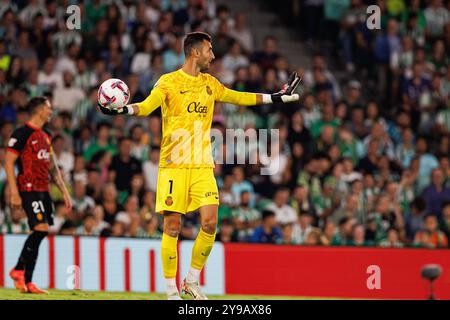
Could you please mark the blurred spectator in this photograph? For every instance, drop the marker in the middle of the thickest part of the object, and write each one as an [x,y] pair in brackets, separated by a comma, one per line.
[93,188]
[130,216]
[139,148]
[437,16]
[436,193]
[142,59]
[392,240]
[174,57]
[302,228]
[150,229]
[226,233]
[61,215]
[386,215]
[101,143]
[315,238]
[234,59]
[350,209]
[329,232]
[414,219]
[427,162]
[109,203]
[286,231]
[327,119]
[241,33]
[66,97]
[245,219]
[445,222]
[87,229]
[344,235]
[68,228]
[64,159]
[267,57]
[268,232]
[239,185]
[22,48]
[319,65]
[150,168]
[84,78]
[301,201]
[358,236]
[430,236]
[310,111]
[80,201]
[100,224]
[137,187]
[16,224]
[124,165]
[284,213]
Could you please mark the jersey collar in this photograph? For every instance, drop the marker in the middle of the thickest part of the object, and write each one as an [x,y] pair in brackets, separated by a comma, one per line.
[189,76]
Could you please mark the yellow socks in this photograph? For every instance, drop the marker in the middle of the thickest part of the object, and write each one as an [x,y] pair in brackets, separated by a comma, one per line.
[169,255]
[200,252]
[202,247]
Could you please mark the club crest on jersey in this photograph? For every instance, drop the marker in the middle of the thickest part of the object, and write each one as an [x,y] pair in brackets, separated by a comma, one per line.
[168,201]
[43,154]
[208,90]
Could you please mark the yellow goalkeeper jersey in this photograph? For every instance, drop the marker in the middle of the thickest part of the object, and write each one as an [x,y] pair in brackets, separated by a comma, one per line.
[187,107]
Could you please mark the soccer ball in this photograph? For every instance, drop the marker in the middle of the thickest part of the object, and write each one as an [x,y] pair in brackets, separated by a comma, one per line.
[113,94]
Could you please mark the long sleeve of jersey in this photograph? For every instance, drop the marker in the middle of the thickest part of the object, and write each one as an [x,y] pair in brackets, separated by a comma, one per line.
[151,103]
[223,94]
[238,98]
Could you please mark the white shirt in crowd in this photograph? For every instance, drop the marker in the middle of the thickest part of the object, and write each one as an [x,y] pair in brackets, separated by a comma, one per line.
[141,62]
[299,234]
[151,175]
[65,99]
[436,20]
[231,62]
[53,80]
[283,215]
[66,161]
[245,38]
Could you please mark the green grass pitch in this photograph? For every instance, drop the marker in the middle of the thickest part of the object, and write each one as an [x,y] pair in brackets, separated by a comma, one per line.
[12,294]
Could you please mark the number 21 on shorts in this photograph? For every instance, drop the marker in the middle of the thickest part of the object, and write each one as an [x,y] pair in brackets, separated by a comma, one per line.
[38,206]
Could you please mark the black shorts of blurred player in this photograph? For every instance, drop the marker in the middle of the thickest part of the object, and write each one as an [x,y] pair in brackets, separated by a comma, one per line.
[39,209]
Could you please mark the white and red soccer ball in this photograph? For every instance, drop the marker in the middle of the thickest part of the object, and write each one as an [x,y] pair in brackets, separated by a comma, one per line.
[113,94]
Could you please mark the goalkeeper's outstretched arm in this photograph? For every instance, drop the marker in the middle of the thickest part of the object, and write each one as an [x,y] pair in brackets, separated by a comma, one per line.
[250,99]
[144,108]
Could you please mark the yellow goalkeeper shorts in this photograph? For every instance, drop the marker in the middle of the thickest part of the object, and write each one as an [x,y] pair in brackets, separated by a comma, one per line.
[185,190]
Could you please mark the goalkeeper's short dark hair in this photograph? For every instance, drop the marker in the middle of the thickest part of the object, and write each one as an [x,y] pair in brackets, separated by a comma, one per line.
[192,39]
[35,103]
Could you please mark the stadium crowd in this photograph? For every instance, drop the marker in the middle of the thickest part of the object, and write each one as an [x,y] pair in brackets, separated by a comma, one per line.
[363,162]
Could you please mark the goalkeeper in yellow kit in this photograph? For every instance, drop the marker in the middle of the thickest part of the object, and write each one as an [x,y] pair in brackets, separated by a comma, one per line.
[185,179]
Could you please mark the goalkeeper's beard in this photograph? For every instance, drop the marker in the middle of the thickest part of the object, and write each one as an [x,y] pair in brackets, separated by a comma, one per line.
[204,66]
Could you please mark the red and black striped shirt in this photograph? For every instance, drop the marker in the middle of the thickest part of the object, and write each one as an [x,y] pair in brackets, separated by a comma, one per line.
[33,146]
